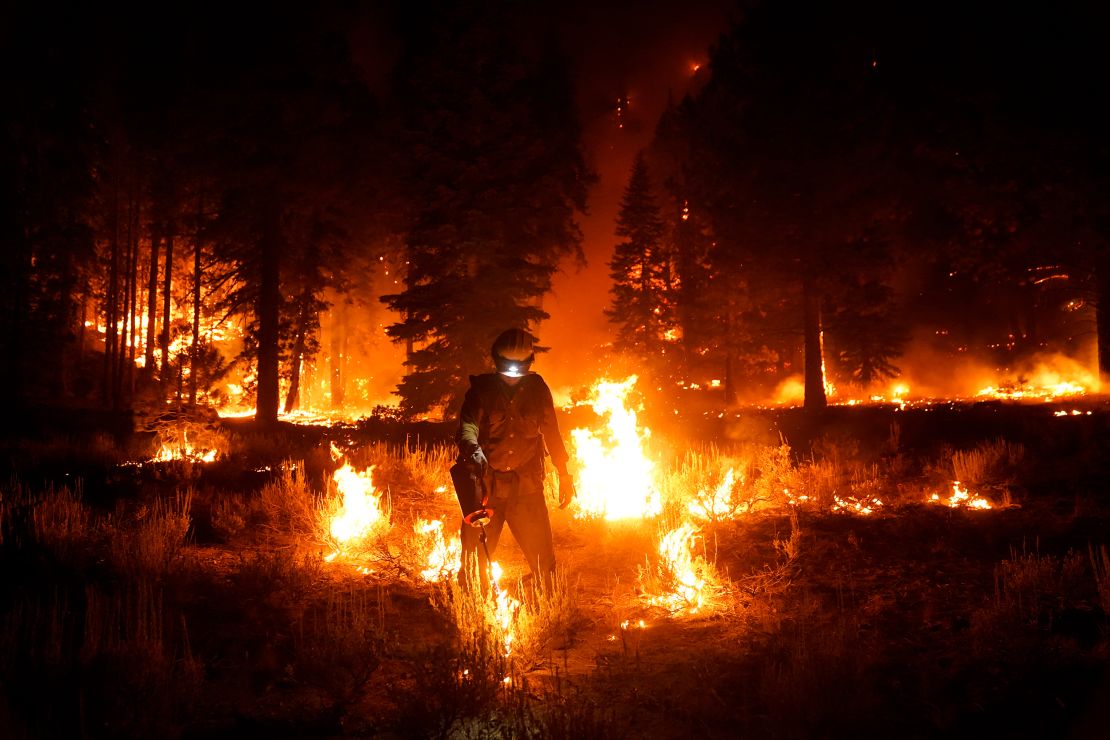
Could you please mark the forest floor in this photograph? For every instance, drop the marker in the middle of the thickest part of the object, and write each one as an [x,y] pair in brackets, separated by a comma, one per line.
[194,600]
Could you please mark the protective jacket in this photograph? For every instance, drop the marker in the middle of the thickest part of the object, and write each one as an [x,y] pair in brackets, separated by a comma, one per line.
[514,425]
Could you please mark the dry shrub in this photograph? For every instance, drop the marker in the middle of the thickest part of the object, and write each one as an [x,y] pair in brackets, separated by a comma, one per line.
[679,579]
[339,646]
[287,504]
[60,521]
[536,623]
[772,474]
[187,434]
[429,467]
[276,578]
[818,481]
[228,515]
[989,465]
[147,541]
[1100,565]
[708,485]
[105,663]
[1030,589]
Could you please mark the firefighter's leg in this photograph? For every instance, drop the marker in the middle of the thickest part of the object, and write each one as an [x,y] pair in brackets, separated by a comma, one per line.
[531,528]
[473,554]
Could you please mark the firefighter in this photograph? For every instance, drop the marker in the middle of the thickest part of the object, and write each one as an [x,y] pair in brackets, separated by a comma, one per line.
[507,425]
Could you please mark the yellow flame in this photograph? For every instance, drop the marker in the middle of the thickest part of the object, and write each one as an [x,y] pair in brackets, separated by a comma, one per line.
[684,578]
[718,504]
[853,505]
[183,451]
[505,609]
[615,477]
[360,507]
[960,498]
[444,556]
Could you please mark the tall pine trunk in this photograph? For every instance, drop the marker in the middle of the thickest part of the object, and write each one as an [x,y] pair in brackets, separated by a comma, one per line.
[292,398]
[269,317]
[151,307]
[110,311]
[815,400]
[194,349]
[167,318]
[1102,311]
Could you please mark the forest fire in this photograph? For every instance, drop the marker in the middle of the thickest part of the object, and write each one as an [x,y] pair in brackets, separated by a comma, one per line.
[615,477]
[961,499]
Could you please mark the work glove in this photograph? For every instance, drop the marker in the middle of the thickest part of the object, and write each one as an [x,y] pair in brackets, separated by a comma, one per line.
[566,490]
[477,460]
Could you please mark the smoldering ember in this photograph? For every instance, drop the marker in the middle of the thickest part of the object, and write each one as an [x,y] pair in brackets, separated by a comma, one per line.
[775,331]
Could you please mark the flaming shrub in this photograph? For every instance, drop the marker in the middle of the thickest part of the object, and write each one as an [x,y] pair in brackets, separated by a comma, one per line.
[681,581]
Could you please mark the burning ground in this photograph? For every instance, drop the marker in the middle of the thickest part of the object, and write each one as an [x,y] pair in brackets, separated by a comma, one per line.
[914,573]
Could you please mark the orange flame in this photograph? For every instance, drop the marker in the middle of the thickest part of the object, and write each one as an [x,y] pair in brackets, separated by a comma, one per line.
[615,477]
[961,499]
[444,557]
[684,576]
[360,510]
[716,505]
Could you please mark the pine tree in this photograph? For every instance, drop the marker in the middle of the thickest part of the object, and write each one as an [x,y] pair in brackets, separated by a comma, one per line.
[643,273]
[493,174]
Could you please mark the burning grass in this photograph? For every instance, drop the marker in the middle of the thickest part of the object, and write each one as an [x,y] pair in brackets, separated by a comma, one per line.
[762,572]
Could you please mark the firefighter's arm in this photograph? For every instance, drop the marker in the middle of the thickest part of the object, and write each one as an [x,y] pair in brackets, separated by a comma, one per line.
[466,438]
[553,440]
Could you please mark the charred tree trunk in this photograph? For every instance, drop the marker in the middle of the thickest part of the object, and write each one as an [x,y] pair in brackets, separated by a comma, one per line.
[151,307]
[291,399]
[269,318]
[167,318]
[815,400]
[1102,311]
[194,349]
[133,298]
[110,310]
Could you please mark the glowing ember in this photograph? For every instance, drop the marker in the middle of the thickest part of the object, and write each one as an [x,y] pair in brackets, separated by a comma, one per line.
[444,556]
[716,505]
[359,511]
[852,505]
[684,577]
[961,499]
[615,478]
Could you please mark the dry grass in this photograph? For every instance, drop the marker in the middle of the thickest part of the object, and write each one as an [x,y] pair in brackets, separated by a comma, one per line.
[508,632]
[989,465]
[1100,565]
[147,541]
[338,647]
[288,505]
[429,468]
